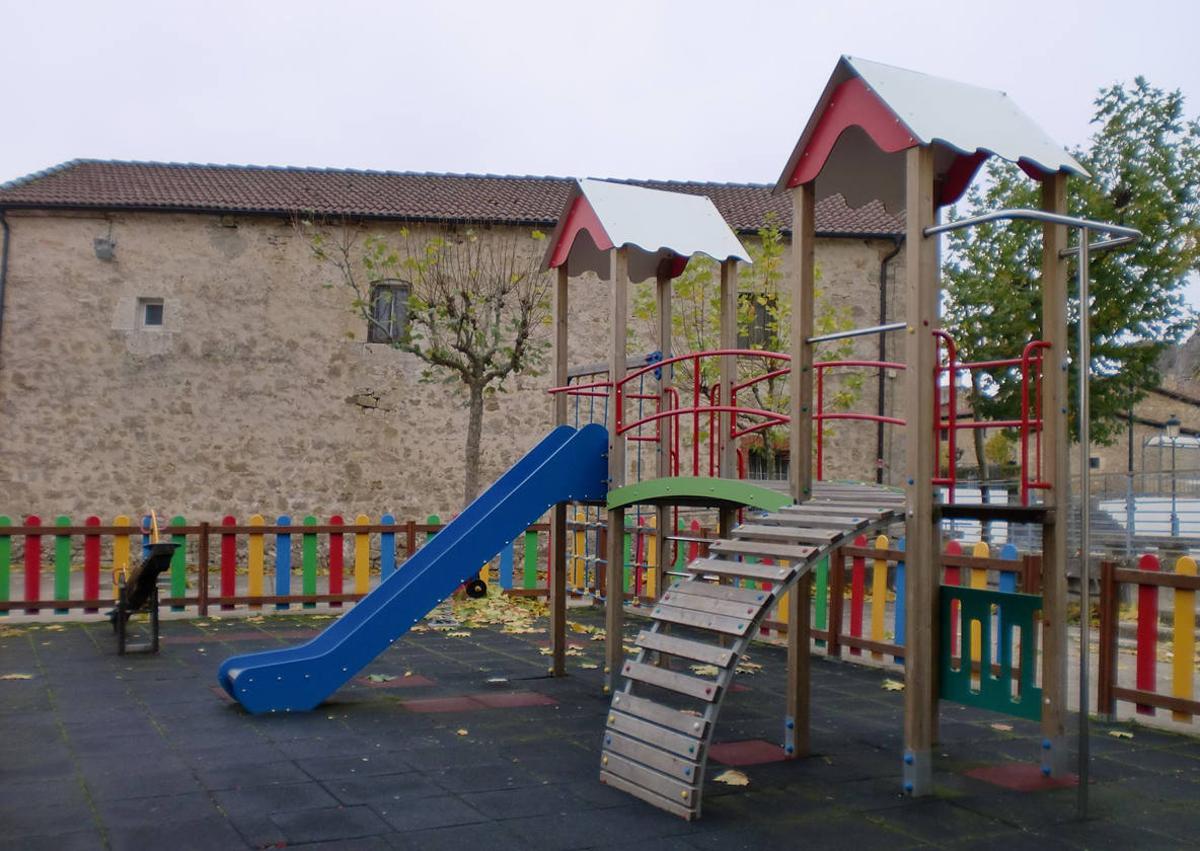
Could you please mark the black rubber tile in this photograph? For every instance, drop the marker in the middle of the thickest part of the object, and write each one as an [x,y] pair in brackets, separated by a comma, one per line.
[597,827]
[521,803]
[109,779]
[210,834]
[40,819]
[427,813]
[933,820]
[489,836]
[130,813]
[77,840]
[383,788]
[486,778]
[323,825]
[355,765]
[248,775]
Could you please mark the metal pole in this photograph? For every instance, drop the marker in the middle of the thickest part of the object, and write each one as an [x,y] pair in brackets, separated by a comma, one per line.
[1085,526]
[1174,479]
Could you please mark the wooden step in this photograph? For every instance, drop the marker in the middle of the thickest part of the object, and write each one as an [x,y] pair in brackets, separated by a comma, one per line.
[708,605]
[679,743]
[696,687]
[645,709]
[704,619]
[741,569]
[763,549]
[679,768]
[787,534]
[700,588]
[819,509]
[649,779]
[846,523]
[653,798]
[685,648]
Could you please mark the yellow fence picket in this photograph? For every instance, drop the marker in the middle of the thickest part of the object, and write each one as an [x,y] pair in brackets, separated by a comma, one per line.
[978,580]
[878,593]
[120,563]
[362,556]
[1184,666]
[579,562]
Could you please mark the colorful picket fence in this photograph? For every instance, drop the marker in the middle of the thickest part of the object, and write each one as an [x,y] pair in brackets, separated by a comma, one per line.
[1178,646]
[63,567]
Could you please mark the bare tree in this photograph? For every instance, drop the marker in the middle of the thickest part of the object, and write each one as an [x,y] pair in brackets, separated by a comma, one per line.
[473,306]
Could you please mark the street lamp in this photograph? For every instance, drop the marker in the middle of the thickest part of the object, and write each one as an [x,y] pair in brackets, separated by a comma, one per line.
[1173,434]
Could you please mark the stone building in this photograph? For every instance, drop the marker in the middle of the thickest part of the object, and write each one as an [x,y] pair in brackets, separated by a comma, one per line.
[167,339]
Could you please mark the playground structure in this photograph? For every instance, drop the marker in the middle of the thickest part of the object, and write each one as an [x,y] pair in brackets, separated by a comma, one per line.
[878,133]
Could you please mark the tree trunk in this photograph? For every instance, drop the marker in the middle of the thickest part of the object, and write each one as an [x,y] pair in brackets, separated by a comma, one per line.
[474,433]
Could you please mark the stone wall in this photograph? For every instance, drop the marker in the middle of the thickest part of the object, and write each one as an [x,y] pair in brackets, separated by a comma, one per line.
[257,394]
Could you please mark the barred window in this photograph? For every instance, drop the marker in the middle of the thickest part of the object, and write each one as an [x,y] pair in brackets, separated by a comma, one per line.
[757,334]
[389,312]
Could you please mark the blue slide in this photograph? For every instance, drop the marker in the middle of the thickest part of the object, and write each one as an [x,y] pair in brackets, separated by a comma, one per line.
[568,464]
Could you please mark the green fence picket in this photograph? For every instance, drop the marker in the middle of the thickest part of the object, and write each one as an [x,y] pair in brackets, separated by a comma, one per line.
[5,561]
[62,564]
[308,561]
[531,550]
[821,597]
[178,563]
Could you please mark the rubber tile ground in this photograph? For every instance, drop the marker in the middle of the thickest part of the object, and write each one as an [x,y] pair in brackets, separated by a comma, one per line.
[461,741]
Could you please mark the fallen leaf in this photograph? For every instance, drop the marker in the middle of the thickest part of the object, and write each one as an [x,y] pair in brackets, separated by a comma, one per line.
[16,676]
[1120,734]
[588,666]
[705,670]
[1003,728]
[732,777]
[381,678]
[408,673]
[598,636]
[462,731]
[893,685]
[458,634]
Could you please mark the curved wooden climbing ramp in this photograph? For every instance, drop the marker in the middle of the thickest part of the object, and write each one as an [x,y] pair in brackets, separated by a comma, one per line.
[661,721]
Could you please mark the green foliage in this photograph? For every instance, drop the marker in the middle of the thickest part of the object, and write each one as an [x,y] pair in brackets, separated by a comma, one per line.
[998,449]
[1145,162]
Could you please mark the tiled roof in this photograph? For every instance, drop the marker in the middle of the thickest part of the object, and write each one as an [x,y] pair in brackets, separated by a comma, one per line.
[109,185]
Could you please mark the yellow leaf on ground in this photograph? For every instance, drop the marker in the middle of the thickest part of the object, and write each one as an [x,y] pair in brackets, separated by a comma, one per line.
[598,636]
[1003,728]
[705,670]
[16,676]
[462,732]
[732,777]
[893,685]
[588,666]
[1120,734]
[458,634]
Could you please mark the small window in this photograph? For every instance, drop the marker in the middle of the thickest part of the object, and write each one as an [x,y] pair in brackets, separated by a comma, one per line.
[150,312]
[756,321]
[389,312]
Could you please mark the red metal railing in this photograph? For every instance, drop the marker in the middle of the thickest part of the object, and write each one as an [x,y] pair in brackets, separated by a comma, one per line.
[706,407]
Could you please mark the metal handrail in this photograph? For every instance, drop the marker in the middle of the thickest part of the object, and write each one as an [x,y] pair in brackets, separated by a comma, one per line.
[1125,234]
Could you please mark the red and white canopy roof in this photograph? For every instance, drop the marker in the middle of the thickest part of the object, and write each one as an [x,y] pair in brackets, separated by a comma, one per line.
[870,113]
[654,226]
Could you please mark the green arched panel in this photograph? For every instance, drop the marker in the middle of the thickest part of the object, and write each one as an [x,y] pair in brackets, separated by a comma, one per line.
[694,490]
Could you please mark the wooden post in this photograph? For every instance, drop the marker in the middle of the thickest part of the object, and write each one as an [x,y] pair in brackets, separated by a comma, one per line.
[1106,678]
[662,519]
[797,721]
[557,581]
[615,587]
[727,339]
[1055,443]
[922,573]
[803,322]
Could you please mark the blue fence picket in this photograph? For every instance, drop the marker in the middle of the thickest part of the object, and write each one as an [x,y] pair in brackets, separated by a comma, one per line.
[283,561]
[387,549]
[901,603]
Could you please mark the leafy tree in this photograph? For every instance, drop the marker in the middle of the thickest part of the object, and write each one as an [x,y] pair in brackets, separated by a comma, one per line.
[475,304]
[1145,163]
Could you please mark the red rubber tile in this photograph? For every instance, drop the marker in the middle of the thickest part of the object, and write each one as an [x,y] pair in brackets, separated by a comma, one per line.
[443,704]
[513,699]
[749,752]
[1021,777]
[400,682]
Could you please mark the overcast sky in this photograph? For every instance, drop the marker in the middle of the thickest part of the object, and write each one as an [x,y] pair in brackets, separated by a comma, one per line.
[676,90]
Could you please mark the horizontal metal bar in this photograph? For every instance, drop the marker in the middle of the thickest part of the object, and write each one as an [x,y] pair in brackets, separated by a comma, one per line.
[1033,215]
[859,332]
[1102,245]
